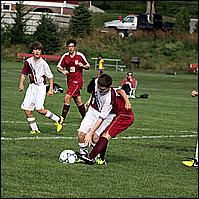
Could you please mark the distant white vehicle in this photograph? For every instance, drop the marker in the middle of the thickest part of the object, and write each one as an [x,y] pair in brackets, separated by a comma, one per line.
[128,23]
[139,21]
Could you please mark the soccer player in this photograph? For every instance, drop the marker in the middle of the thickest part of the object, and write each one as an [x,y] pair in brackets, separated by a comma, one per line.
[123,119]
[132,82]
[71,65]
[100,112]
[192,162]
[101,65]
[38,71]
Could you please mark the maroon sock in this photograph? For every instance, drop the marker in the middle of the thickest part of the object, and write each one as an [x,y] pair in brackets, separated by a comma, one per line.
[82,110]
[99,147]
[65,110]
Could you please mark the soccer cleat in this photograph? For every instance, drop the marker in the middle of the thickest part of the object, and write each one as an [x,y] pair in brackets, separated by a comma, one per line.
[34,132]
[84,158]
[100,161]
[59,124]
[190,163]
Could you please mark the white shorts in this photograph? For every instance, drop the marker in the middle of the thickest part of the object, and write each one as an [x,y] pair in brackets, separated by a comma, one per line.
[34,98]
[90,119]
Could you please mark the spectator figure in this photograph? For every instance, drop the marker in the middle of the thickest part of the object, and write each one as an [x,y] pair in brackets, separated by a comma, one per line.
[132,84]
[38,70]
[101,65]
[192,162]
[71,65]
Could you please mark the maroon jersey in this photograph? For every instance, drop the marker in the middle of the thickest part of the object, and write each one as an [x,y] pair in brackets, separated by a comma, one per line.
[123,119]
[71,65]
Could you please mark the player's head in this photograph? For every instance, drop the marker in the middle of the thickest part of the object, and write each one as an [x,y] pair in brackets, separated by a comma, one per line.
[129,75]
[36,48]
[104,83]
[126,88]
[99,56]
[71,44]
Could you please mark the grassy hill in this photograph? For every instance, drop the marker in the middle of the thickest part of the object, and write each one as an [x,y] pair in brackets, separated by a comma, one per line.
[167,8]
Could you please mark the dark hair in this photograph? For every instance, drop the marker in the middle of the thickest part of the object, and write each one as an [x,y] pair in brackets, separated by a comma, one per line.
[99,55]
[130,73]
[105,80]
[126,88]
[91,86]
[36,45]
[71,41]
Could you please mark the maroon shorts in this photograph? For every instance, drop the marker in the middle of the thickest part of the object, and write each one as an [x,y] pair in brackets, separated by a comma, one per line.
[120,122]
[74,89]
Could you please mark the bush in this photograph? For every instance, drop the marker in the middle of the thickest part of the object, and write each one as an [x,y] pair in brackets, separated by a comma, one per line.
[47,33]
[80,23]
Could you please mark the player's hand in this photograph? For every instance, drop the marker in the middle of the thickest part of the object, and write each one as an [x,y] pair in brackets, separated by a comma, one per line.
[88,138]
[194,93]
[128,105]
[66,72]
[50,93]
[21,88]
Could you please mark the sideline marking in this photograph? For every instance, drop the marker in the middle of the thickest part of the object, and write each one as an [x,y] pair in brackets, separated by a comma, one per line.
[117,138]
[74,124]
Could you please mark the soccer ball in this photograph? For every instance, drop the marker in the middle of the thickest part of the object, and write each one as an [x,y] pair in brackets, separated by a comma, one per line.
[68,156]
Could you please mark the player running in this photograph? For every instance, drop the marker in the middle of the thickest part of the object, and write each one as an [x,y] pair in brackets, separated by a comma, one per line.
[71,65]
[38,70]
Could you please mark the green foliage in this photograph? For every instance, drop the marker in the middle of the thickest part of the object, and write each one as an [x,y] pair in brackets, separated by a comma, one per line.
[17,30]
[80,23]
[47,33]
[182,20]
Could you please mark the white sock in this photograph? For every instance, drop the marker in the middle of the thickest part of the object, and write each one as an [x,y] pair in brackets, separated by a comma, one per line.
[83,148]
[52,116]
[32,123]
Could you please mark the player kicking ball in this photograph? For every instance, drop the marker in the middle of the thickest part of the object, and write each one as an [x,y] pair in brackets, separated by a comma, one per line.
[38,70]
[123,119]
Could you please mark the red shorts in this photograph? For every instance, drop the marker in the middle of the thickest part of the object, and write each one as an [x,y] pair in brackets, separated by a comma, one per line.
[74,89]
[120,122]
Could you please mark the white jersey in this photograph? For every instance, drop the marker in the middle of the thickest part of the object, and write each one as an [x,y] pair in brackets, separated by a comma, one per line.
[103,103]
[37,71]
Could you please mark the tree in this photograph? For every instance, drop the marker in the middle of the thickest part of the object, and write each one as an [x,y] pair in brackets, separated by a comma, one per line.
[80,23]
[182,20]
[47,33]
[18,29]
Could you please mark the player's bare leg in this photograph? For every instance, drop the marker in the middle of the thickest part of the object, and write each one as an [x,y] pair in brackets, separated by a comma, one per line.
[32,122]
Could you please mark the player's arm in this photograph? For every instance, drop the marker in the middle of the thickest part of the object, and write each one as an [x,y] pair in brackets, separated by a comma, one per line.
[21,85]
[84,63]
[50,91]
[122,93]
[63,71]
[88,137]
[60,66]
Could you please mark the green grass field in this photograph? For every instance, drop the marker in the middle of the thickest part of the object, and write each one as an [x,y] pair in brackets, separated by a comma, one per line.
[143,162]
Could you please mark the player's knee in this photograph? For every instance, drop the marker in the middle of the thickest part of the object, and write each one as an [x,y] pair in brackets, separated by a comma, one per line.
[106,135]
[41,111]
[67,99]
[81,136]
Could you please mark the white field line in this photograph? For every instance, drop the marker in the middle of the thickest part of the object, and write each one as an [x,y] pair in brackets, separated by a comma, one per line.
[74,124]
[75,138]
